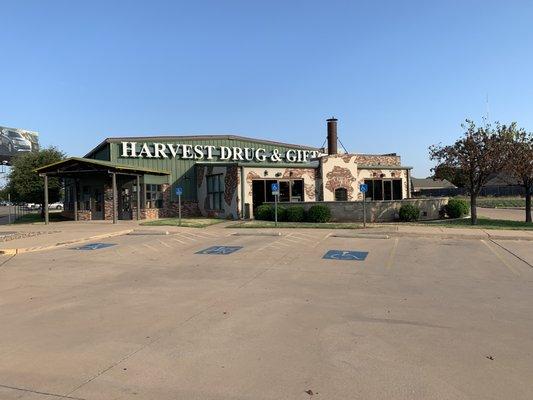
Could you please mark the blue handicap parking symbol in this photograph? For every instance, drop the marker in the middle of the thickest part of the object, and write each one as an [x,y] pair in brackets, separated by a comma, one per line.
[220,250]
[179,190]
[94,246]
[275,188]
[363,188]
[347,255]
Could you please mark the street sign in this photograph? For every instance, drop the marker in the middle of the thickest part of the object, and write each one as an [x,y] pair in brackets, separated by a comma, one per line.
[220,250]
[363,188]
[275,189]
[346,255]
[94,246]
[179,190]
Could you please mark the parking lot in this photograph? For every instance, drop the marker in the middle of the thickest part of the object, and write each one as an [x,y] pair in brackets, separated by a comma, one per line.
[179,317]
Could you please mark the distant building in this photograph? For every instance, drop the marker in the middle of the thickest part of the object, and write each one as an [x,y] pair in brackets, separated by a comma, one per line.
[431,187]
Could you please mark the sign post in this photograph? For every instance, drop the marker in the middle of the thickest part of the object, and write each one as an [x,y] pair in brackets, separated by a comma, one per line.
[275,192]
[363,187]
[179,192]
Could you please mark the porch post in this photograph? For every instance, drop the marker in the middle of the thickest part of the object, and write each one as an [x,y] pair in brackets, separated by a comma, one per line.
[46,211]
[138,197]
[75,195]
[115,211]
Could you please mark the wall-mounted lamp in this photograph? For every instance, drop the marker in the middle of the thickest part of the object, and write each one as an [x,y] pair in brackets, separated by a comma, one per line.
[382,175]
[278,174]
[265,173]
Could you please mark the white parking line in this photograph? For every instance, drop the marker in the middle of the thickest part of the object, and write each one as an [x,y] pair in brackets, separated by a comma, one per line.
[165,244]
[177,240]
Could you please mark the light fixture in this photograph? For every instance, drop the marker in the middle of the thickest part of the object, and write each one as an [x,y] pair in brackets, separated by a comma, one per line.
[265,173]
[278,174]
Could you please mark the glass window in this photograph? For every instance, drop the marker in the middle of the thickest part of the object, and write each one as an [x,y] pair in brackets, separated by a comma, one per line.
[297,190]
[215,192]
[341,194]
[397,189]
[378,189]
[387,190]
[154,196]
[284,191]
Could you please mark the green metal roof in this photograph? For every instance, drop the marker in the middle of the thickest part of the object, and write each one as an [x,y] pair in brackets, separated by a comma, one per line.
[114,167]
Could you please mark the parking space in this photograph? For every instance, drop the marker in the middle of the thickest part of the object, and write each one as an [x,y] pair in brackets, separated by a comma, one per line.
[208,314]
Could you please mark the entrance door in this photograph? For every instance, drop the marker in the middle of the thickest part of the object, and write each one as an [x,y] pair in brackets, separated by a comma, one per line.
[97,210]
[258,193]
[124,203]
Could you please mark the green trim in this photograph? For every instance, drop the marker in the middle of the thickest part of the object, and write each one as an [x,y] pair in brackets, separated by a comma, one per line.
[107,164]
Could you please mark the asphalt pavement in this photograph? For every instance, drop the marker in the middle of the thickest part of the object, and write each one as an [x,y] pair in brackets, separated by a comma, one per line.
[180,316]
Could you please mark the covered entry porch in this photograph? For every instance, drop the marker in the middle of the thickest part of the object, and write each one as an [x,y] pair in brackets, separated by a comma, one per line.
[101,190]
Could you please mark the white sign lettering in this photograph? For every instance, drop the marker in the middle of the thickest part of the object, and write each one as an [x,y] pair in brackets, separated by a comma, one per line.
[208,152]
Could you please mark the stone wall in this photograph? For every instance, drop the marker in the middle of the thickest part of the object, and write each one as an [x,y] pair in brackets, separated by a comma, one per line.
[371,159]
[380,211]
[83,215]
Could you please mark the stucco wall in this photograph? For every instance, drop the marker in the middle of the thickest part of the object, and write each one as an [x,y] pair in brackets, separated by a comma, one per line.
[230,181]
[308,175]
[342,171]
[380,211]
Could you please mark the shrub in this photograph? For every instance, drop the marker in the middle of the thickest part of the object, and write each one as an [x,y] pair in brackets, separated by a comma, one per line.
[264,212]
[295,214]
[318,213]
[457,208]
[409,212]
[282,213]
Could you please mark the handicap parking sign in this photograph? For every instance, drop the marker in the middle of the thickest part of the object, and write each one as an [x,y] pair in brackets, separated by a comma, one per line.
[179,190]
[220,250]
[345,255]
[363,187]
[275,188]
[94,246]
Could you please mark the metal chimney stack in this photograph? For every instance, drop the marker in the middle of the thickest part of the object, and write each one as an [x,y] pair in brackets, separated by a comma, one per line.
[332,135]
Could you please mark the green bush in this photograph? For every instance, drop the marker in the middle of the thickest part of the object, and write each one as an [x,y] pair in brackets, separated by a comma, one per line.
[282,213]
[265,212]
[295,214]
[319,213]
[457,208]
[409,212]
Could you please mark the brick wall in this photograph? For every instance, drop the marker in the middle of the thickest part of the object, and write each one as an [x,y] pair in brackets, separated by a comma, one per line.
[189,208]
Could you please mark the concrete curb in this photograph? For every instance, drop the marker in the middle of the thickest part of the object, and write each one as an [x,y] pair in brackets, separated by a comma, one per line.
[443,235]
[13,251]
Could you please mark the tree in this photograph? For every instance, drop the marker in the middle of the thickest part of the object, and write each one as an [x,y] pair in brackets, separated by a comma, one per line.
[480,152]
[451,174]
[25,185]
[520,159]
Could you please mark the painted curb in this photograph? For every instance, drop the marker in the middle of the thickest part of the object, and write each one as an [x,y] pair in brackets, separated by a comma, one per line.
[12,251]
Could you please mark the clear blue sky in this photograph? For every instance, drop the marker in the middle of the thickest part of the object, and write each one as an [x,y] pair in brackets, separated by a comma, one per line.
[399,75]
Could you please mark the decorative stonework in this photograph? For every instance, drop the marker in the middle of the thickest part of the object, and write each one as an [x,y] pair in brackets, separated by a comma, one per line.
[340,177]
[250,176]
[200,173]
[231,181]
[368,159]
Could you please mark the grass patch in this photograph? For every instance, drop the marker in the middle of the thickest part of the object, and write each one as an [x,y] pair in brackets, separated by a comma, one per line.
[35,218]
[270,224]
[185,222]
[498,202]
[482,223]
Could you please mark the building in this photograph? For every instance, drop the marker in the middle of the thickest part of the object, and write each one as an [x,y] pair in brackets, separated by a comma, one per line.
[431,187]
[221,176]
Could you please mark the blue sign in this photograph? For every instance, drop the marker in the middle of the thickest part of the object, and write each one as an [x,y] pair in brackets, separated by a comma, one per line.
[94,246]
[275,188]
[346,255]
[220,250]
[179,190]
[363,188]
